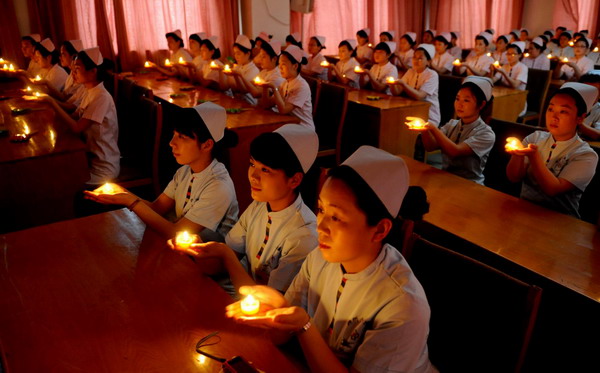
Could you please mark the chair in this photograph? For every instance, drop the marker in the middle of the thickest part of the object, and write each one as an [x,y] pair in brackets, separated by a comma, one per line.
[538,82]
[481,318]
[465,53]
[110,83]
[495,167]
[139,142]
[314,85]
[589,204]
[329,118]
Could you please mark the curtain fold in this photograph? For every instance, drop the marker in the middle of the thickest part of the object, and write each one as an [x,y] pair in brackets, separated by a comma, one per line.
[577,15]
[10,45]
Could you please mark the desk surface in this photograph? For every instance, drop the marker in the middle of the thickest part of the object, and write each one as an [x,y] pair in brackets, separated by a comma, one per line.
[248,117]
[385,102]
[559,247]
[101,294]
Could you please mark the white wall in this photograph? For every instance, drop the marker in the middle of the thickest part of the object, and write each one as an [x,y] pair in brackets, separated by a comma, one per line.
[537,16]
[272,16]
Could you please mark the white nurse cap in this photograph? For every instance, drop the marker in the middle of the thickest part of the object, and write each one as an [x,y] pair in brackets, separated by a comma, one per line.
[391,32]
[94,55]
[446,36]
[515,31]
[386,175]
[244,41]
[433,32]
[456,33]
[519,44]
[176,33]
[214,40]
[366,30]
[429,48]
[549,31]
[484,83]
[295,52]
[214,117]
[48,44]
[295,36]
[276,45]
[303,141]
[588,93]
[320,39]
[490,31]
[200,35]
[487,36]
[411,35]
[568,32]
[538,41]
[263,36]
[353,43]
[391,45]
[77,44]
[36,37]
[525,30]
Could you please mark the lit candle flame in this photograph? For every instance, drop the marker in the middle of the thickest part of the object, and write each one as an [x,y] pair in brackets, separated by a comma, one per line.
[26,129]
[11,67]
[184,240]
[358,69]
[213,64]
[147,64]
[1,60]
[37,78]
[549,55]
[227,69]
[415,123]
[596,50]
[107,188]
[497,64]
[250,305]
[571,43]
[201,359]
[565,59]
[28,89]
[37,94]
[168,63]
[512,143]
[325,64]
[456,62]
[489,54]
[370,45]
[258,81]
[391,80]
[181,61]
[5,67]
[526,55]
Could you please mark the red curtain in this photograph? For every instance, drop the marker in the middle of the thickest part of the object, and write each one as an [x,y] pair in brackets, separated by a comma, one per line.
[10,45]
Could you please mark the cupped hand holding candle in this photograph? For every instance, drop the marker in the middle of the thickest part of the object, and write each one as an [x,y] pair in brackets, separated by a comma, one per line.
[359,70]
[324,64]
[11,68]
[184,240]
[213,65]
[258,81]
[227,69]
[512,143]
[416,123]
[565,60]
[147,64]
[391,80]
[456,62]
[168,63]
[107,188]
[250,305]
[496,64]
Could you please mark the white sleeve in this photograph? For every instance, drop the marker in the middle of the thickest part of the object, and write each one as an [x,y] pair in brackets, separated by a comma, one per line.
[209,210]
[236,238]
[293,252]
[98,109]
[431,85]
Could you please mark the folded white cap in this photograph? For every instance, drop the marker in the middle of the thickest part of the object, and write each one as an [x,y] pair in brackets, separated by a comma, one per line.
[446,36]
[487,36]
[433,32]
[353,43]
[214,40]
[490,30]
[386,175]
[295,52]
[538,41]
[244,41]
[457,33]
[520,44]
[276,45]
[264,36]
[48,44]
[295,36]
[320,39]
[588,93]
[429,48]
[200,35]
[391,32]
[391,45]
[366,31]
[484,83]
[214,117]
[95,55]
[303,141]
[176,32]
[525,30]
[35,37]
[411,35]
[77,44]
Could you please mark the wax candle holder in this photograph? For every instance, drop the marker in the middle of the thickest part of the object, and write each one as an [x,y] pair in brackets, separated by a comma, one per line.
[250,305]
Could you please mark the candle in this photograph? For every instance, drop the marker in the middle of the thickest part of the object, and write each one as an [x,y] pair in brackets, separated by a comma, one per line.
[370,45]
[489,54]
[168,63]
[250,305]
[227,69]
[325,64]
[415,123]
[526,55]
[1,60]
[201,359]
[5,67]
[213,65]
[565,59]
[37,78]
[28,89]
[184,240]
[497,64]
[512,143]
[107,188]
[571,43]
[456,62]
[549,55]
[37,94]
[390,80]
[258,81]
[358,69]
[11,67]
[595,50]
[181,61]
[147,64]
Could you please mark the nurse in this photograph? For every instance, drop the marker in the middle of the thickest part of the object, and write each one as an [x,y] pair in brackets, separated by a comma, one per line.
[442,61]
[343,71]
[316,44]
[243,72]
[513,74]
[364,52]
[28,43]
[51,73]
[382,69]
[405,53]
[478,63]
[428,36]
[537,59]
[574,67]
[456,51]
[177,53]
[500,53]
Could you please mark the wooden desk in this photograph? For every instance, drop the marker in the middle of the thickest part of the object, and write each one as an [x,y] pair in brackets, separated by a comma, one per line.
[508,103]
[558,247]
[381,123]
[38,178]
[99,294]
[248,124]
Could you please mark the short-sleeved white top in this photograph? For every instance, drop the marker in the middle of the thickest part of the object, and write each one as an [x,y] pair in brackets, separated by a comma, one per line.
[297,92]
[213,202]
[479,137]
[210,74]
[56,77]
[573,160]
[541,62]
[482,62]
[347,69]
[249,71]
[584,64]
[381,319]
[406,57]
[292,235]
[271,76]
[445,60]
[427,81]
[101,137]
[364,51]
[381,73]
[593,119]
[314,65]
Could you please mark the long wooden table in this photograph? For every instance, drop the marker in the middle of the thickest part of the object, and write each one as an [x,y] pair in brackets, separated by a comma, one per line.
[38,178]
[248,123]
[381,122]
[558,247]
[102,294]
[508,103]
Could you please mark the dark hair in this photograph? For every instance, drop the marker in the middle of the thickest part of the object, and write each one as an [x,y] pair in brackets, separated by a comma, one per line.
[425,53]
[88,64]
[196,38]
[544,37]
[69,48]
[268,49]
[565,34]
[479,95]
[587,44]
[538,47]
[362,34]
[385,33]
[290,39]
[453,34]
[45,53]
[30,40]
[345,43]
[304,61]
[415,204]
[211,47]
[548,35]
[561,28]
[176,38]
[318,42]
[578,35]
[409,40]
[579,102]
[479,37]
[382,46]
[442,39]
[515,35]
[263,40]
[271,149]
[244,49]
[430,33]
[589,78]
[503,37]
[516,47]
[187,122]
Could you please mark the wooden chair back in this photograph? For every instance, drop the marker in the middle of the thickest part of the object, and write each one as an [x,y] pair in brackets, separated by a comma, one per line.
[329,118]
[538,82]
[314,85]
[481,318]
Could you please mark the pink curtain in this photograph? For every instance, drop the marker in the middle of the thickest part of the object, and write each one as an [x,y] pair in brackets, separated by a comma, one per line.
[577,15]
[341,19]
[10,43]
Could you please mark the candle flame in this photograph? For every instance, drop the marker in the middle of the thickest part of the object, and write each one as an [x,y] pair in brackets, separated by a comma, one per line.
[456,62]
[258,81]
[526,55]
[391,80]
[1,60]
[415,123]
[37,94]
[489,54]
[227,69]
[325,64]
[38,78]
[5,67]
[571,43]
[213,64]
[184,238]
[250,305]
[369,45]
[11,67]
[512,143]
[167,62]
[181,60]
[26,129]
[358,69]
[147,64]
[596,50]
[565,59]
[28,89]
[497,63]
[549,55]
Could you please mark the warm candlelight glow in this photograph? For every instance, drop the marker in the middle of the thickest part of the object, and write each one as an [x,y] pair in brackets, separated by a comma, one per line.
[258,81]
[201,359]
[325,64]
[526,55]
[5,67]
[496,64]
[512,143]
[250,305]
[549,55]
[595,50]
[181,61]
[415,123]
[11,67]
[1,60]
[37,94]
[390,80]
[147,64]
[565,59]
[28,89]
[489,54]
[456,62]
[370,45]
[37,78]
[227,69]
[358,69]
[571,43]
[26,129]
[168,63]
[184,240]
[213,64]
